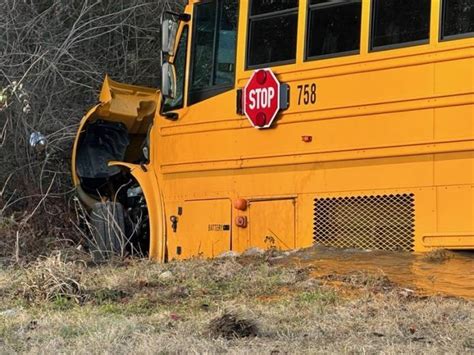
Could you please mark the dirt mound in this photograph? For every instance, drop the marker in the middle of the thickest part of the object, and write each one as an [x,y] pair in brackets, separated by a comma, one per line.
[230,325]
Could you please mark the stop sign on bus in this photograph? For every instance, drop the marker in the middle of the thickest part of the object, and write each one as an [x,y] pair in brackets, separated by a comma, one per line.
[262,98]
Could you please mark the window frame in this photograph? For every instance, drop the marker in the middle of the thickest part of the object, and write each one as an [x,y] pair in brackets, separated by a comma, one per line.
[309,7]
[196,96]
[396,45]
[442,17]
[266,16]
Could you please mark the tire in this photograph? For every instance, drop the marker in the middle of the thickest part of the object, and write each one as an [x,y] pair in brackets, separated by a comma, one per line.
[108,230]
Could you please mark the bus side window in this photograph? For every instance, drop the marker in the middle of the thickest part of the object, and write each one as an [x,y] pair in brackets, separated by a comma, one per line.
[333,28]
[214,45]
[398,23]
[272,32]
[457,18]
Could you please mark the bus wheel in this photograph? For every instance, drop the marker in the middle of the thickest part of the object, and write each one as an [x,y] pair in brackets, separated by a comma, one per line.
[108,230]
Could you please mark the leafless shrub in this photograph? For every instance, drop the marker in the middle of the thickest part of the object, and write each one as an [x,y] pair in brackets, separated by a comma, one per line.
[51,278]
[53,57]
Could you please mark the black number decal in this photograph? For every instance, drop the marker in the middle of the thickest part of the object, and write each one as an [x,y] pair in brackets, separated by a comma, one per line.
[307,92]
[300,88]
[313,93]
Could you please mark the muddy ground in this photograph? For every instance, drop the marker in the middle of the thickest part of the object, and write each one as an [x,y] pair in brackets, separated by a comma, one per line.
[260,304]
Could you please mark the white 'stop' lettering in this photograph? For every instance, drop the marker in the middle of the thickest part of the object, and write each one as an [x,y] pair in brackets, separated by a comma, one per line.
[261,98]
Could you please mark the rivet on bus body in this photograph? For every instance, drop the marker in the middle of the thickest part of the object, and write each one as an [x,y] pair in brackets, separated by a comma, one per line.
[241,221]
[261,119]
[307,139]
[240,204]
[261,77]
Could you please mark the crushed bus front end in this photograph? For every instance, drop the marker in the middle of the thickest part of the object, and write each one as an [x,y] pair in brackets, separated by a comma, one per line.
[109,170]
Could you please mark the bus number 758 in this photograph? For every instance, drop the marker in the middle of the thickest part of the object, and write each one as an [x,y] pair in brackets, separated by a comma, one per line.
[307,94]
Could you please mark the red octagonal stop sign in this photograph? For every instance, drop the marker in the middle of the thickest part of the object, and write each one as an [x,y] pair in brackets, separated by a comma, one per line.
[262,98]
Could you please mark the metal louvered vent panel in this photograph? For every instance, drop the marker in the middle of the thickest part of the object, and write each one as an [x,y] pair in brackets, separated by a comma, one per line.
[385,222]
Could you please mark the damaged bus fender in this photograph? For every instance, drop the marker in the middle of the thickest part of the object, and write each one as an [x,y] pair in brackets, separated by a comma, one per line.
[110,159]
[154,201]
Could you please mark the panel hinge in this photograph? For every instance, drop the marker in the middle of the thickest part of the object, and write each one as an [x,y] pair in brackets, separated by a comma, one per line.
[284,96]
[239,103]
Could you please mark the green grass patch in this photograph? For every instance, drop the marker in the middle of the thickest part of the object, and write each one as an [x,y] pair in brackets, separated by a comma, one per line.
[323,297]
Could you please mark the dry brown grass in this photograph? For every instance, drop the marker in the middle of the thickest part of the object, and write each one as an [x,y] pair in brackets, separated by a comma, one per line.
[50,279]
[231,305]
[371,282]
[438,256]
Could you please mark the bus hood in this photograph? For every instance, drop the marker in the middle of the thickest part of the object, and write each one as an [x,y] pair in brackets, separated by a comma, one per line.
[133,106]
[127,103]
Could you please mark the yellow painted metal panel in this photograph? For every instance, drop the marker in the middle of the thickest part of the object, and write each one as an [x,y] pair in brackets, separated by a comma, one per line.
[455,77]
[454,122]
[203,229]
[425,214]
[348,134]
[416,171]
[455,209]
[272,224]
[304,221]
[454,241]
[454,168]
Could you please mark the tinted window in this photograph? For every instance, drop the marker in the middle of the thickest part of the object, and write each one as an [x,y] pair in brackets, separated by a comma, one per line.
[180,66]
[272,34]
[205,20]
[400,21]
[458,17]
[333,27]
[265,6]
[214,44]
[226,40]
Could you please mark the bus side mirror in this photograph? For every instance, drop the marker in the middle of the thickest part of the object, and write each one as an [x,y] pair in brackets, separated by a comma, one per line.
[168,80]
[169,28]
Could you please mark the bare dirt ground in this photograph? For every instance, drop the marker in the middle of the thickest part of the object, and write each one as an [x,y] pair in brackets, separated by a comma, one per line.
[253,304]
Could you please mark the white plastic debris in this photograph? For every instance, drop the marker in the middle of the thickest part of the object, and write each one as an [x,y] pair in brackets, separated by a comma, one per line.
[38,141]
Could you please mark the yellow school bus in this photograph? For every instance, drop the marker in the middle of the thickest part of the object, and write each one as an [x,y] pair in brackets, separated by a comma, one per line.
[371,144]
